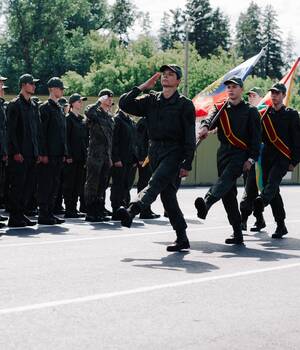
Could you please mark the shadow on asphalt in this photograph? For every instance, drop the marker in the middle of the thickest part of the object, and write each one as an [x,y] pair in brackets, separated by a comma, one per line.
[29,232]
[174,262]
[241,251]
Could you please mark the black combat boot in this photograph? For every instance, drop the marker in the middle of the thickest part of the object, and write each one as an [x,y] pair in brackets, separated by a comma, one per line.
[237,237]
[127,215]
[200,205]
[147,213]
[259,223]
[280,231]
[181,242]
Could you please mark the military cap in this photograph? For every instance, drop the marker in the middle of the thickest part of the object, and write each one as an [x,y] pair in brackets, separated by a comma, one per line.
[255,90]
[27,79]
[173,67]
[76,97]
[62,101]
[106,92]
[234,80]
[56,82]
[278,87]
[2,78]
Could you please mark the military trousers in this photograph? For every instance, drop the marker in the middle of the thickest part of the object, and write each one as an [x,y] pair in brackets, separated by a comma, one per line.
[73,184]
[22,177]
[98,172]
[49,176]
[274,168]
[250,192]
[122,181]
[230,163]
[164,181]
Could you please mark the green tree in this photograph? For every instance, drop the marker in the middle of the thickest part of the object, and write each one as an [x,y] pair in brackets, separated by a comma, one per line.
[177,29]
[271,37]
[200,14]
[220,33]
[122,19]
[165,31]
[249,32]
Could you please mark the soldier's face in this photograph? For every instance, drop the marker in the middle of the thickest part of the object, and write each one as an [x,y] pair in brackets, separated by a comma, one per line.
[77,105]
[234,91]
[277,97]
[254,98]
[29,88]
[169,79]
[57,92]
[107,103]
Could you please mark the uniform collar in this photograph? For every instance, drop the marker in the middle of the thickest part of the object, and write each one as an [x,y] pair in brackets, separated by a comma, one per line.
[171,100]
[23,99]
[53,103]
[241,103]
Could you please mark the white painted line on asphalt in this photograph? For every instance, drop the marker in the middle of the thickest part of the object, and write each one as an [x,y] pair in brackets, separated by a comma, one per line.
[102,296]
[126,235]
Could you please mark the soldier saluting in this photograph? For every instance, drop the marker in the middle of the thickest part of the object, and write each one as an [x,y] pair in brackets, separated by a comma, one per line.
[239,133]
[171,126]
[281,153]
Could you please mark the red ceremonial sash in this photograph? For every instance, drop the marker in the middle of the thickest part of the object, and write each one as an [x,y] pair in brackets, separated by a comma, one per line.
[225,123]
[273,137]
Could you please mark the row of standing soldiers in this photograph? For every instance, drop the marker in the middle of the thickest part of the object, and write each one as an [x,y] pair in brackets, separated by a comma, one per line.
[48,151]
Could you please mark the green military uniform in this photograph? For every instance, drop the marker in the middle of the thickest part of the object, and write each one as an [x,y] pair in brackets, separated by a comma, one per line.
[245,124]
[171,128]
[98,164]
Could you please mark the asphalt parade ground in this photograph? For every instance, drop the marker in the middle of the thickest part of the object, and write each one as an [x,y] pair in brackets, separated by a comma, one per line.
[101,286]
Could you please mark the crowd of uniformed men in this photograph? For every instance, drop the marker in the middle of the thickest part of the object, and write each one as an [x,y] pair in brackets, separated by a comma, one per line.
[52,153]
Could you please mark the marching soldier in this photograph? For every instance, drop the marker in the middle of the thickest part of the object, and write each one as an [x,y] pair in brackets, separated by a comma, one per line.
[251,191]
[239,133]
[171,125]
[23,122]
[55,150]
[99,161]
[281,153]
[74,169]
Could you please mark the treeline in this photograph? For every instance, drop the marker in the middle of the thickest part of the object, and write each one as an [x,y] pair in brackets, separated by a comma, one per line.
[87,42]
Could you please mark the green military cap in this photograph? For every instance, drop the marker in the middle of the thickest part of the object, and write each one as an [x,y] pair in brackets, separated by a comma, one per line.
[173,67]
[234,80]
[278,87]
[56,82]
[27,79]
[106,92]
[2,78]
[255,90]
[76,97]
[62,101]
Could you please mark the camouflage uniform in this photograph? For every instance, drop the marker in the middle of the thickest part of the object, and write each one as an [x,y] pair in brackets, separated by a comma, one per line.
[98,159]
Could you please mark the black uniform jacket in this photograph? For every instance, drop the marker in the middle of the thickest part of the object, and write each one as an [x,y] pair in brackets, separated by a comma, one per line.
[286,122]
[124,139]
[245,124]
[24,128]
[54,129]
[77,137]
[169,120]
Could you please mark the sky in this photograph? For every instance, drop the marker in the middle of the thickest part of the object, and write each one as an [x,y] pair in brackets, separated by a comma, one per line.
[288,12]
